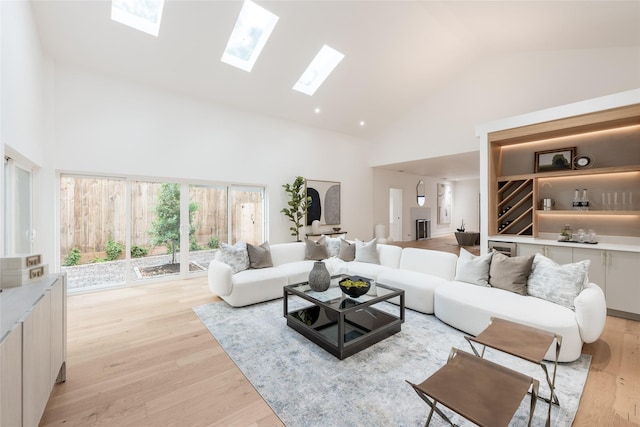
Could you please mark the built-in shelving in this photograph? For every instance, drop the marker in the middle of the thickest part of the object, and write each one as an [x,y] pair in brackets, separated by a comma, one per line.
[598,213]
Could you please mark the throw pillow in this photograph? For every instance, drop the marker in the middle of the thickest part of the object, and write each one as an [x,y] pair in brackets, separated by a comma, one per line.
[347,250]
[259,256]
[367,251]
[316,250]
[510,273]
[473,269]
[333,246]
[557,283]
[235,256]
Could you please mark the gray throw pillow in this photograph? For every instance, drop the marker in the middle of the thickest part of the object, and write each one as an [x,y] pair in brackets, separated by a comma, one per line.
[235,256]
[259,256]
[316,250]
[367,251]
[333,246]
[473,269]
[347,250]
[510,273]
[557,283]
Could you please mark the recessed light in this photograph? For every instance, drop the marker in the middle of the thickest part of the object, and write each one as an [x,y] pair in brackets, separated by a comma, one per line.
[362,123]
[317,110]
[249,36]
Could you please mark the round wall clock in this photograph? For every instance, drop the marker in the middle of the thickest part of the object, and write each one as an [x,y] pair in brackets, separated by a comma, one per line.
[583,161]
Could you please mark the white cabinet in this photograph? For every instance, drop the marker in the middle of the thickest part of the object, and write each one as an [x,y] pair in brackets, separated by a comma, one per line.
[618,273]
[32,349]
[561,255]
[11,378]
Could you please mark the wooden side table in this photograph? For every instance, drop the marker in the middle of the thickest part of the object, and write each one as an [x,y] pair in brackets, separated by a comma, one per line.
[526,342]
[483,392]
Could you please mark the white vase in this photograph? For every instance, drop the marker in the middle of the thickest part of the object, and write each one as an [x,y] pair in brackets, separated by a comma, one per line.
[315,227]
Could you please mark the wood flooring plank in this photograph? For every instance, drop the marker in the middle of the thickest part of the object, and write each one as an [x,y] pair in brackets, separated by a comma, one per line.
[140,356]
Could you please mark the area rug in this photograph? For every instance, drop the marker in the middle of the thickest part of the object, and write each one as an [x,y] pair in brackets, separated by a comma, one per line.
[307,386]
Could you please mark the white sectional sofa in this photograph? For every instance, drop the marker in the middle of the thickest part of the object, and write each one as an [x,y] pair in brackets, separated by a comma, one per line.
[427,277]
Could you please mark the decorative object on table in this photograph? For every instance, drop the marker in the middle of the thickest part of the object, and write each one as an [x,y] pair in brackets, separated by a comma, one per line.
[547,204]
[583,161]
[298,204]
[337,229]
[565,234]
[324,202]
[355,286]
[21,270]
[315,227]
[461,229]
[444,203]
[319,277]
[553,160]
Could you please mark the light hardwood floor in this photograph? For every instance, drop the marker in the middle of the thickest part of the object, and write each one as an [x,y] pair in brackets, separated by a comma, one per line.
[141,357]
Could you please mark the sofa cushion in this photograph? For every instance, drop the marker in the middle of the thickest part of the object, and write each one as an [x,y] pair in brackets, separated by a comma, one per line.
[510,273]
[347,250]
[473,269]
[282,253]
[253,286]
[367,251]
[236,256]
[468,308]
[316,250]
[418,288]
[557,283]
[259,256]
[436,263]
[297,271]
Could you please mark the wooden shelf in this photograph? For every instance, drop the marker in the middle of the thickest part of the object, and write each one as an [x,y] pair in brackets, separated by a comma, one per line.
[571,172]
[588,213]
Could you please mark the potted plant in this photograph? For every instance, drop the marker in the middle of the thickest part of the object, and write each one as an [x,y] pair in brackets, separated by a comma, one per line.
[298,204]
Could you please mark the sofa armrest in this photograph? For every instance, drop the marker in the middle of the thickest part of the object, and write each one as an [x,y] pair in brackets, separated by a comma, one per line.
[591,312]
[220,278]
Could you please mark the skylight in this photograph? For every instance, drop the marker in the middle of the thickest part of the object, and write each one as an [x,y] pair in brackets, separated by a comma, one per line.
[249,36]
[319,69]
[143,15]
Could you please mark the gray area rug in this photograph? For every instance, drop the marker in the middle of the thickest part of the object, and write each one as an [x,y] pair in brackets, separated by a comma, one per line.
[307,386]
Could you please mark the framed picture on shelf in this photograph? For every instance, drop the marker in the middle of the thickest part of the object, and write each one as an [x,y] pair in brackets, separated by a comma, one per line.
[554,160]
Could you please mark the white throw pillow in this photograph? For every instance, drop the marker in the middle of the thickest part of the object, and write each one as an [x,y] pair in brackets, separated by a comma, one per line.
[367,251]
[333,246]
[557,283]
[473,269]
[236,256]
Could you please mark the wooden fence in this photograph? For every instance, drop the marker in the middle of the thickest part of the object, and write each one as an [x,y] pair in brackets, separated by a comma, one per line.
[93,211]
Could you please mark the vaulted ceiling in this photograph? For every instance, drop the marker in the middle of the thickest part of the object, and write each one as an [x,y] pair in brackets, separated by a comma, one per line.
[396,52]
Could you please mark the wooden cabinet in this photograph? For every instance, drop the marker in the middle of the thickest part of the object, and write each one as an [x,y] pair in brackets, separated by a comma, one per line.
[561,255]
[11,378]
[516,189]
[34,349]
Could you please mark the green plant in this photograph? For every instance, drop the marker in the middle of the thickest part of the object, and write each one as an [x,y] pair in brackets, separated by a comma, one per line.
[298,204]
[73,257]
[114,250]
[138,251]
[98,259]
[214,243]
[194,246]
[165,229]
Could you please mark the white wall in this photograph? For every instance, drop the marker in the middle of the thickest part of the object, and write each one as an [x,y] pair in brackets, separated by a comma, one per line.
[502,87]
[464,205]
[25,116]
[104,125]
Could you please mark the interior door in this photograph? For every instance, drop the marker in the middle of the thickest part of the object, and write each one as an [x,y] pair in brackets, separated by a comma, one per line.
[395,214]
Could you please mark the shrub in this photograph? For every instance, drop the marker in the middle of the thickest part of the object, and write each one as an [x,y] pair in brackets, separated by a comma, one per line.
[98,259]
[114,250]
[72,258]
[194,246]
[138,251]
[214,243]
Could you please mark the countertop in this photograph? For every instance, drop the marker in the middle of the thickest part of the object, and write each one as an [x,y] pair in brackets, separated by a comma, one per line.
[629,244]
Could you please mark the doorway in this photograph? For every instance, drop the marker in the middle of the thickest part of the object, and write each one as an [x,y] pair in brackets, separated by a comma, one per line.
[395,214]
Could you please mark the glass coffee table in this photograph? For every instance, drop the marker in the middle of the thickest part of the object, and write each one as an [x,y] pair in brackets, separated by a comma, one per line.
[340,324]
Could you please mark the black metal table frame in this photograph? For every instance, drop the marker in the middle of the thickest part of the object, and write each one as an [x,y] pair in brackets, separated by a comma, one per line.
[343,350]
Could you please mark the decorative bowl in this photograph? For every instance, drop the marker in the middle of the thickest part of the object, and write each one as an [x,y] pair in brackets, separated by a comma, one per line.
[355,286]
[336,229]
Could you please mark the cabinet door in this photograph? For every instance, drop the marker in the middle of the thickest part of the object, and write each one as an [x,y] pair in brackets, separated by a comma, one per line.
[623,281]
[11,378]
[36,361]
[596,268]
[58,327]
[527,249]
[561,255]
